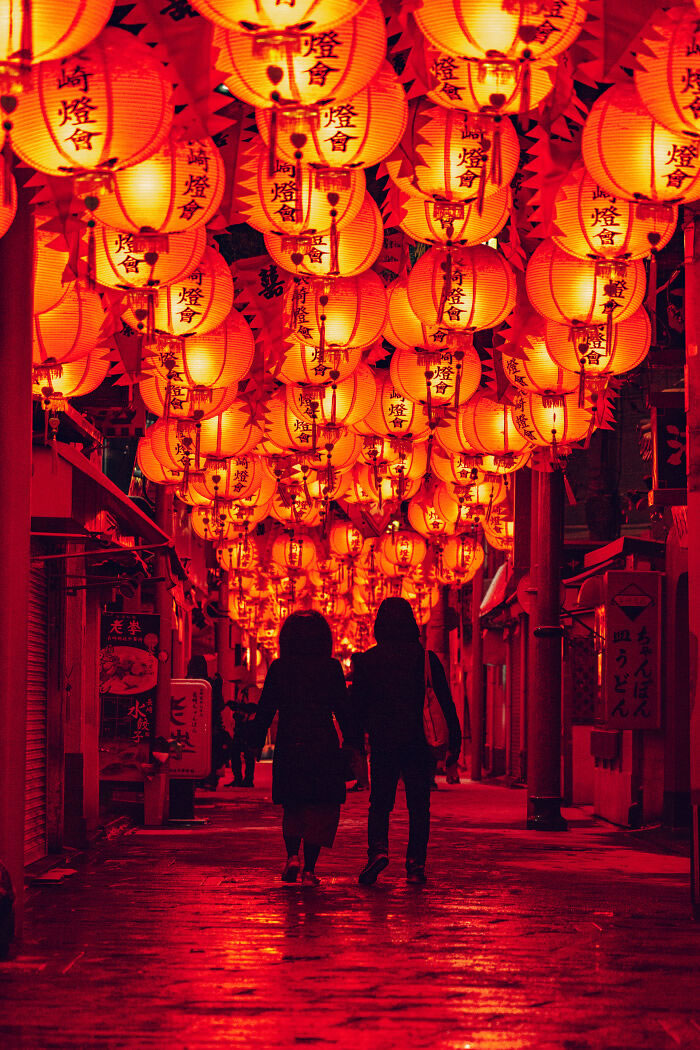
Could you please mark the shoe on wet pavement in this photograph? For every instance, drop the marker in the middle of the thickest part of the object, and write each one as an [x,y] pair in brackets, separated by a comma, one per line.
[290,871]
[415,873]
[375,864]
[310,878]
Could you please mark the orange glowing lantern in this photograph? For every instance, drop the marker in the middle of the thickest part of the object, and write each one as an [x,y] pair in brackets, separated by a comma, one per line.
[51,259]
[312,255]
[69,330]
[571,291]
[404,329]
[499,532]
[151,466]
[382,485]
[458,223]
[234,432]
[71,379]
[590,224]
[463,289]
[295,509]
[462,555]
[324,489]
[334,315]
[433,161]
[239,555]
[197,303]
[261,16]
[305,69]
[295,199]
[175,400]
[403,548]
[425,517]
[459,468]
[590,352]
[346,540]
[631,155]
[338,452]
[221,357]
[358,132]
[487,85]
[76,114]
[489,427]
[119,265]
[499,31]
[302,364]
[395,415]
[437,379]
[8,200]
[293,553]
[177,189]
[531,367]
[233,479]
[283,428]
[44,30]
[668,67]
[341,404]
[554,421]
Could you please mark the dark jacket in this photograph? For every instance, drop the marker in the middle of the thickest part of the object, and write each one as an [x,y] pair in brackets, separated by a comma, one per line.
[388,690]
[307,765]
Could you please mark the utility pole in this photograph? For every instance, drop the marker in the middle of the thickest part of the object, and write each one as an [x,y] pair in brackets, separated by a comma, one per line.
[16,301]
[691,230]
[544,678]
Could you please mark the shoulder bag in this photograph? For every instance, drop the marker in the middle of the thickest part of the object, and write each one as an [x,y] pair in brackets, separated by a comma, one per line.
[434,721]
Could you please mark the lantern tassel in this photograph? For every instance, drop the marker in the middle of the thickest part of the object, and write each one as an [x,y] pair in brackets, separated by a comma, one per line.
[496,161]
[334,389]
[272,145]
[582,385]
[526,89]
[314,434]
[335,269]
[609,325]
[197,444]
[298,192]
[482,189]
[458,380]
[91,257]
[651,298]
[428,398]
[446,286]
[568,489]
[322,340]
[7,161]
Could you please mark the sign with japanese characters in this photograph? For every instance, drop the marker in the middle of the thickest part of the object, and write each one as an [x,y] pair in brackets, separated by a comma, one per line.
[190,728]
[631,629]
[128,676]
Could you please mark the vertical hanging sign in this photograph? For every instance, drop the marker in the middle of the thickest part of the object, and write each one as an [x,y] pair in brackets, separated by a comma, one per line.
[631,626]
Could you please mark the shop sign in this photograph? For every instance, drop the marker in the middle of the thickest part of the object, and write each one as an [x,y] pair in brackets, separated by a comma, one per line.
[630,626]
[190,728]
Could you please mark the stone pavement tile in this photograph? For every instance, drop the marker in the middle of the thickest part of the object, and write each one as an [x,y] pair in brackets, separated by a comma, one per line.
[187,940]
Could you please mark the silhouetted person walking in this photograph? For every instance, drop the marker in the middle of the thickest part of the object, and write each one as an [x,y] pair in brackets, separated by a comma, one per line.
[388,690]
[306,686]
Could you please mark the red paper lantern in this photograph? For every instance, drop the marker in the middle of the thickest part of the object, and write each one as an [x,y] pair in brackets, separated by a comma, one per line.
[72,379]
[487,85]
[234,432]
[221,357]
[590,351]
[175,400]
[437,379]
[302,364]
[463,289]
[531,367]
[342,403]
[489,427]
[405,330]
[395,415]
[197,303]
[457,223]
[554,421]
[70,330]
[312,255]
[119,265]
[667,69]
[260,16]
[348,311]
[47,30]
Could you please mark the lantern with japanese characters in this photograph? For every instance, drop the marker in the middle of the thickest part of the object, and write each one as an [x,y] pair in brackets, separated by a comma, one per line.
[177,189]
[552,421]
[174,399]
[395,415]
[54,387]
[340,404]
[334,315]
[43,30]
[357,247]
[69,330]
[76,114]
[303,364]
[294,199]
[405,329]
[452,155]
[499,532]
[462,555]
[403,548]
[528,365]
[425,517]
[436,380]
[346,540]
[592,224]
[293,554]
[501,31]
[119,265]
[295,509]
[196,304]
[589,351]
[381,484]
[233,479]
[489,427]
[631,155]
[487,85]
[571,291]
[220,357]
[667,70]
[456,222]
[304,69]
[462,289]
[51,261]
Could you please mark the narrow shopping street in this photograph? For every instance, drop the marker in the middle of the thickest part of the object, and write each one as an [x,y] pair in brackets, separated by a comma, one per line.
[186,939]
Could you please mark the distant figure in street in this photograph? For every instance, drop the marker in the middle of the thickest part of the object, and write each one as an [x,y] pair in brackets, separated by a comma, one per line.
[220,740]
[306,686]
[244,709]
[388,691]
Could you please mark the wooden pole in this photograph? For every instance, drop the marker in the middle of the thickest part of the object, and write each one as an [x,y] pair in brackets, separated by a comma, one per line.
[156,787]
[16,291]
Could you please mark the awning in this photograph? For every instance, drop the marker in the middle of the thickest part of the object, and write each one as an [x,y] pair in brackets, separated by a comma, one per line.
[496,590]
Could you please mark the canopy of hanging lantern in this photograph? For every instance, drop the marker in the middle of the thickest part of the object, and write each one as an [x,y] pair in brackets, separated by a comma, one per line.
[263,16]
[69,330]
[301,364]
[589,351]
[632,156]
[43,31]
[196,304]
[436,380]
[117,264]
[96,112]
[311,255]
[303,69]
[220,357]
[295,199]
[460,222]
[357,132]
[515,32]
[433,161]
[55,386]
[336,314]
[552,421]
[591,224]
[404,329]
[462,289]
[175,400]
[176,190]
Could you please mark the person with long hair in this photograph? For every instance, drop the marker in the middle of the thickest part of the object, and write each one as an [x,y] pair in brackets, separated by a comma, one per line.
[388,690]
[306,687]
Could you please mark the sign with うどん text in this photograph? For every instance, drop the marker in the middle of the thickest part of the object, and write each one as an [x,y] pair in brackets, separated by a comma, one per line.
[630,625]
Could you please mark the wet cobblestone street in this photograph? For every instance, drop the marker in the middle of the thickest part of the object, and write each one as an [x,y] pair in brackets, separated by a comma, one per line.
[187,939]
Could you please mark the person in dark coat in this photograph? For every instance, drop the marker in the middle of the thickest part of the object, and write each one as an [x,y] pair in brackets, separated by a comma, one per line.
[307,687]
[388,691]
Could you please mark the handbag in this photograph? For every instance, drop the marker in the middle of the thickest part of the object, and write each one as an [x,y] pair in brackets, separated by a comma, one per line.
[434,722]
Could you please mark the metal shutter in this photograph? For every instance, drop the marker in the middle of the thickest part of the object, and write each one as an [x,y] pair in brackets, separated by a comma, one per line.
[37,687]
